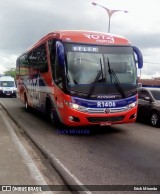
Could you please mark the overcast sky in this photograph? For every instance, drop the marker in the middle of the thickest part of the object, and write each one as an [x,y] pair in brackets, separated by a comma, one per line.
[23,22]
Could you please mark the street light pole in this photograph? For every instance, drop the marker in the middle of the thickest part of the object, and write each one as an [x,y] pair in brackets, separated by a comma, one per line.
[110,13]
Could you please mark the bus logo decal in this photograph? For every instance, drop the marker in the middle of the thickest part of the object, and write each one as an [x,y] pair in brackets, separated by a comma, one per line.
[107,110]
[103,104]
[100,38]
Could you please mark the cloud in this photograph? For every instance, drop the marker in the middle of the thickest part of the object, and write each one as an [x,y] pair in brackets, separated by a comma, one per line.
[145,40]
[23,22]
[7,62]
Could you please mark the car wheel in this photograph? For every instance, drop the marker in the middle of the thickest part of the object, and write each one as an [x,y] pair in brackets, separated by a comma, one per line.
[154,119]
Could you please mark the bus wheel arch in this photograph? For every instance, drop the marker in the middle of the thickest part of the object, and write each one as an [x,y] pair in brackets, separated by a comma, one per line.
[51,113]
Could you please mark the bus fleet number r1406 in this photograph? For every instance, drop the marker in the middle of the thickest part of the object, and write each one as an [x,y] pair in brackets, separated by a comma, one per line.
[106,104]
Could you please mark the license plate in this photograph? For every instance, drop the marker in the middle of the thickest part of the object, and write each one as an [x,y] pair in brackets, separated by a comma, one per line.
[105,123]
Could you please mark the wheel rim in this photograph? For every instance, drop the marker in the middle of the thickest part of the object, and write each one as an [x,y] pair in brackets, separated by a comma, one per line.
[154,119]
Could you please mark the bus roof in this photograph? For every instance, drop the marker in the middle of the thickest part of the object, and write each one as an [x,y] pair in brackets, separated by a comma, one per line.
[79,36]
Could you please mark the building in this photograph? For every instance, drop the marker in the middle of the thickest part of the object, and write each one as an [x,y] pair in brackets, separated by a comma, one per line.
[154,82]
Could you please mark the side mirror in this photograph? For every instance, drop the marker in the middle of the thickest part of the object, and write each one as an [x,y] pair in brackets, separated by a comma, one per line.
[60,53]
[139,56]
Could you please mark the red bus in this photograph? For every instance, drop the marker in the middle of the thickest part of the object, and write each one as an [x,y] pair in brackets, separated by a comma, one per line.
[81,78]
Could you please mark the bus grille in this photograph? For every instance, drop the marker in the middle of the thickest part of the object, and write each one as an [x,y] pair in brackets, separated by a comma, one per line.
[105,119]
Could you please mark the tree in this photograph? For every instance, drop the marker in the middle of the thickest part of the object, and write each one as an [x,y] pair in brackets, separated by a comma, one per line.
[11,72]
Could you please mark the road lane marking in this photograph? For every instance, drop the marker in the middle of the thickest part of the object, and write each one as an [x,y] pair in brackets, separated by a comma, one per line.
[81,185]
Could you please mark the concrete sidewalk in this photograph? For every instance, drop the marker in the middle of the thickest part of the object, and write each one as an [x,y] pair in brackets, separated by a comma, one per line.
[16,166]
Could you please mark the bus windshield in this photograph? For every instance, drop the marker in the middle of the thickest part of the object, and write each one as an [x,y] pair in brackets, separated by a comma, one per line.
[84,62]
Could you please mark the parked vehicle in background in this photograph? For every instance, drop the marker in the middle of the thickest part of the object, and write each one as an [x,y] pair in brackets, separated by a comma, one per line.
[7,86]
[149,105]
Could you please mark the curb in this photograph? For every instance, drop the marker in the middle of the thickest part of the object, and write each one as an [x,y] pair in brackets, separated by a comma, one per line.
[69,179]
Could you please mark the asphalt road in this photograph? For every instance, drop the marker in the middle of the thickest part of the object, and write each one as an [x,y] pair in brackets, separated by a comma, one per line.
[122,154]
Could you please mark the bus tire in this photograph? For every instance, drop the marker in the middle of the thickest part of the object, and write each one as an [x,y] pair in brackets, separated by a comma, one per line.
[27,107]
[51,113]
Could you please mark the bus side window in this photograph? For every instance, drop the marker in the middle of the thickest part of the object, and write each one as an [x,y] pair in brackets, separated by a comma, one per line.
[23,65]
[38,59]
[58,74]
[17,66]
[56,69]
[42,58]
[52,50]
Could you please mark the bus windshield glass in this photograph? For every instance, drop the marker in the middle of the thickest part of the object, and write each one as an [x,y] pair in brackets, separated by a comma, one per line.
[85,62]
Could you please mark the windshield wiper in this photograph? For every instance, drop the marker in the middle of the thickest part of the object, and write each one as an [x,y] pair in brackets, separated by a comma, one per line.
[96,80]
[117,82]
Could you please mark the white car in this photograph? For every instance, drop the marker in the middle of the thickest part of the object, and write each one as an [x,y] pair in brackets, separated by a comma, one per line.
[7,87]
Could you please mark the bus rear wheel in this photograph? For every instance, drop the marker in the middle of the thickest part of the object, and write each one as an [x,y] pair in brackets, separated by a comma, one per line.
[27,107]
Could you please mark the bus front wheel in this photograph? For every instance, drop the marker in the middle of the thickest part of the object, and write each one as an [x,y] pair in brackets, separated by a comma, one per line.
[51,114]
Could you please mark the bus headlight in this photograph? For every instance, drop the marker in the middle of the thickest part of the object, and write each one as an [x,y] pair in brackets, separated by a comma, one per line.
[75,106]
[132,105]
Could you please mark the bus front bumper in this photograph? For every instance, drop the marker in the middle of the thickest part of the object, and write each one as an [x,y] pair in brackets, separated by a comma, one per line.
[77,118]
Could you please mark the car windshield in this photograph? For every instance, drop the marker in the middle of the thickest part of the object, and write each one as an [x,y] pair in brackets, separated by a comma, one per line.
[156,94]
[6,83]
